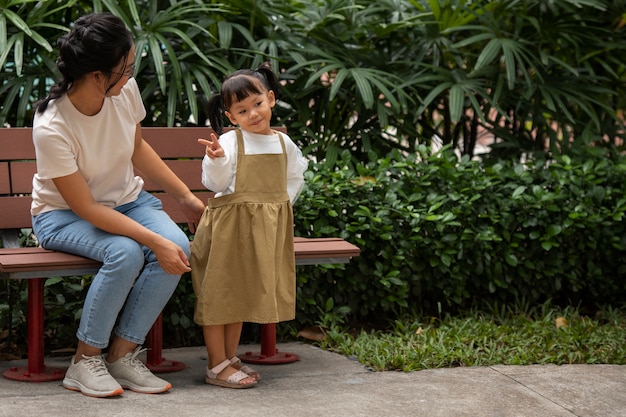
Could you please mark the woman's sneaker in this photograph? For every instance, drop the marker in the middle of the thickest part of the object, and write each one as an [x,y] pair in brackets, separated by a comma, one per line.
[91,377]
[131,373]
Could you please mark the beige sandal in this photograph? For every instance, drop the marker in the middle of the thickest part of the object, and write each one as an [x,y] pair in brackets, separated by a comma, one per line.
[233,381]
[236,363]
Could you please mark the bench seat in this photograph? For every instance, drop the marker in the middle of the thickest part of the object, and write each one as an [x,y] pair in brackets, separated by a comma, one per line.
[36,262]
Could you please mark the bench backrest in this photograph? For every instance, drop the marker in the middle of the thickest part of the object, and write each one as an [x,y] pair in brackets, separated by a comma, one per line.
[177,146]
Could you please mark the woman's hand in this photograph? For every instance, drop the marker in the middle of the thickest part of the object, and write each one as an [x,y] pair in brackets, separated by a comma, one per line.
[193,208]
[213,147]
[171,257]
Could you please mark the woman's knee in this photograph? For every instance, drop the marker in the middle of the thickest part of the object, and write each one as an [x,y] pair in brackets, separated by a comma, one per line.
[179,237]
[126,254]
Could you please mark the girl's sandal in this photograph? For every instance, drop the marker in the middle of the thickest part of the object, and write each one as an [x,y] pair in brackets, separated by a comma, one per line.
[233,381]
[236,363]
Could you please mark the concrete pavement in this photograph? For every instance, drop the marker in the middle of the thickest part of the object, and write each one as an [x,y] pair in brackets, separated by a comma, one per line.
[327,384]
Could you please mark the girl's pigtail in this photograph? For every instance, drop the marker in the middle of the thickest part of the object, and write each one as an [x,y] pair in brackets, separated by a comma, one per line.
[215,112]
[270,77]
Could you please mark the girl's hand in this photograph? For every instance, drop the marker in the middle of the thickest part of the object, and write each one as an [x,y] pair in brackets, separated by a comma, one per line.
[213,147]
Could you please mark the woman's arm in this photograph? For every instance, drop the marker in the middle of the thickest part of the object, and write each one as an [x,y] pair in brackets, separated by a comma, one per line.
[146,160]
[76,193]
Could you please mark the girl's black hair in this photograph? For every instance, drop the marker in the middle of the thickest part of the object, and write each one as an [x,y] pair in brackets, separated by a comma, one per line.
[238,86]
[96,42]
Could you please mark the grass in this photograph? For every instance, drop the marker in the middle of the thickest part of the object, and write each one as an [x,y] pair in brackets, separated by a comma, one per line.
[544,335]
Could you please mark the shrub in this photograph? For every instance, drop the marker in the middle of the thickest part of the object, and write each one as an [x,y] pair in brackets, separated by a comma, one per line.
[435,231]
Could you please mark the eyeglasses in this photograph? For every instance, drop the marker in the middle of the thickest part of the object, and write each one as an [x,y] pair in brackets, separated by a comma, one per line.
[129,72]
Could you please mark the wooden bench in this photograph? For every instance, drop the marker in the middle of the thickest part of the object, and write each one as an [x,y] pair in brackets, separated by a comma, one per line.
[180,150]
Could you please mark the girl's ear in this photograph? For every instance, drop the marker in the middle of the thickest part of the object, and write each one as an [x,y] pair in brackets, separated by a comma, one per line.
[271,98]
[231,118]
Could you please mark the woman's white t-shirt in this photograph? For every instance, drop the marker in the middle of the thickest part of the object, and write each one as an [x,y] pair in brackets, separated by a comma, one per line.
[100,147]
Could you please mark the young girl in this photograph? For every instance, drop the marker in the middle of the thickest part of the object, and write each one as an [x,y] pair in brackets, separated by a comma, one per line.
[242,260]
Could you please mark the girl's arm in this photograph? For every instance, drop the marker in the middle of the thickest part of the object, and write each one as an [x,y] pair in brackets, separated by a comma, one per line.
[219,163]
[296,166]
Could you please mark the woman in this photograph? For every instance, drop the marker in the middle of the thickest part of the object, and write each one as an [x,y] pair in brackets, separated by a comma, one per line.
[88,201]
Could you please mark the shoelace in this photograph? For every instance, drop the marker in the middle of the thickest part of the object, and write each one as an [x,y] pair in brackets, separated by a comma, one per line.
[95,365]
[136,363]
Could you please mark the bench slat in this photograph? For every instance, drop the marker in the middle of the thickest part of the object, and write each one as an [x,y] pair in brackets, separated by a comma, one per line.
[16,143]
[5,179]
[15,212]
[188,170]
[324,247]
[21,179]
[181,142]
[32,262]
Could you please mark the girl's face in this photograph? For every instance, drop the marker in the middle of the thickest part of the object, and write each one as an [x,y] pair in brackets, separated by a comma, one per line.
[254,113]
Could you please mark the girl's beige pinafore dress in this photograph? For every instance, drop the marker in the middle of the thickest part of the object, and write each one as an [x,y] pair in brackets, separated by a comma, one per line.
[242,258]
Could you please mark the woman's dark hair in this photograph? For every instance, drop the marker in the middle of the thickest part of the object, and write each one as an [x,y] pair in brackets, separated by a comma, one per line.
[238,86]
[96,42]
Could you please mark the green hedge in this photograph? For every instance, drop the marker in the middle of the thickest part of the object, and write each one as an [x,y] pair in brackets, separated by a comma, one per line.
[436,232]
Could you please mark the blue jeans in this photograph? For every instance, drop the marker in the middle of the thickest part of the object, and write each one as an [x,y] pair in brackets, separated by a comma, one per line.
[130,281]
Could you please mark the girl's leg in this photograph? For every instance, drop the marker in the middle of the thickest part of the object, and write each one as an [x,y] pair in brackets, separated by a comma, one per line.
[232,335]
[215,341]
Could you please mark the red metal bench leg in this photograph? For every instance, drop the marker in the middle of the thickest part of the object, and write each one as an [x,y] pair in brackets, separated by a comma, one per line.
[36,370]
[269,355]
[154,360]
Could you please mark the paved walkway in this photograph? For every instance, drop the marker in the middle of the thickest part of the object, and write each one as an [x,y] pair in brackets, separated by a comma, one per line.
[326,384]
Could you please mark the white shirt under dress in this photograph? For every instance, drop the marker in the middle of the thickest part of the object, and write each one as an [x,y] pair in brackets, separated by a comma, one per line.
[219,174]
